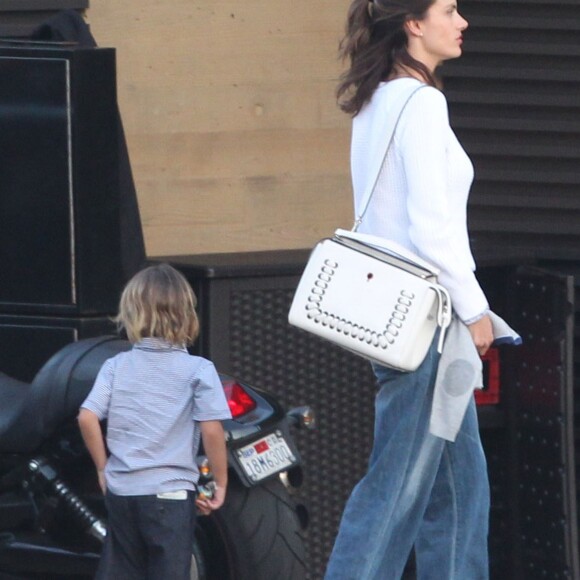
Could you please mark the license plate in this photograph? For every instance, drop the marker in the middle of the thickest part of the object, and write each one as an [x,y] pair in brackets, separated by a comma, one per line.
[265,456]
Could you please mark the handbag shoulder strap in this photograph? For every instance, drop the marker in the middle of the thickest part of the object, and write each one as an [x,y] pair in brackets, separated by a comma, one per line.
[390,128]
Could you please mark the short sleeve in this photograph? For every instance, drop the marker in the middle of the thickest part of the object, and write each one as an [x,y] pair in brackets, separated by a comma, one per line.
[99,398]
[209,399]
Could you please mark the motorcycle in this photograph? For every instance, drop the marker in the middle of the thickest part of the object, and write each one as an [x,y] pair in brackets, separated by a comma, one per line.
[52,513]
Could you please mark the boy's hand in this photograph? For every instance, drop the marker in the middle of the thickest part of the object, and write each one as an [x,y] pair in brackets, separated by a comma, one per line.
[102,481]
[90,427]
[207,505]
[214,444]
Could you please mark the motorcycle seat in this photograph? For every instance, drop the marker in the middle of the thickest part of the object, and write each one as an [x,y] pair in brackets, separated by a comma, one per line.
[31,413]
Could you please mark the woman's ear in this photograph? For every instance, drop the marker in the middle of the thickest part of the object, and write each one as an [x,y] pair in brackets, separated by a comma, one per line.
[413,28]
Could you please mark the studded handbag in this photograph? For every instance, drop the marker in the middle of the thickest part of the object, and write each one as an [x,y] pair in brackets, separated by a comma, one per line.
[371,296]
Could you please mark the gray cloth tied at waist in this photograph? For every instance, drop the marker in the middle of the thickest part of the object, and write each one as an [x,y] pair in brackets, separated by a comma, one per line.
[459,373]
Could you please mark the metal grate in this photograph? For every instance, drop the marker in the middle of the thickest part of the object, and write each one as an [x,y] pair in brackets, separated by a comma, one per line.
[245,331]
[573,269]
[302,369]
[546,538]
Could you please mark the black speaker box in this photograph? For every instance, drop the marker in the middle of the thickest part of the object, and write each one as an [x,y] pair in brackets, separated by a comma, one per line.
[244,300]
[60,250]
[29,341]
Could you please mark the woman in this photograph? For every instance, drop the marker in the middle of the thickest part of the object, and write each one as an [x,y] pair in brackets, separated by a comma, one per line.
[420,490]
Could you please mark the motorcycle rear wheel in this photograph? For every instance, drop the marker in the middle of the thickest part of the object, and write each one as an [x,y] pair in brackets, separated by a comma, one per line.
[256,535]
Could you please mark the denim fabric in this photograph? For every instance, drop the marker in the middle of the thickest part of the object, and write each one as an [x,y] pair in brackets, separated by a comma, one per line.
[149,538]
[419,490]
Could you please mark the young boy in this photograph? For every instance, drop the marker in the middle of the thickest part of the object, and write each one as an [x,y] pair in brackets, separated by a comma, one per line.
[158,400]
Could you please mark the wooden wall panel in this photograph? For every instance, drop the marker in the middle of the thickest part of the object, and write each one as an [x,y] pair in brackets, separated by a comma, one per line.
[235,139]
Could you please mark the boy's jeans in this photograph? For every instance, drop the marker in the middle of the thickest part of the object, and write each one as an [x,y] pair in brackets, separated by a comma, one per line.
[419,490]
[149,538]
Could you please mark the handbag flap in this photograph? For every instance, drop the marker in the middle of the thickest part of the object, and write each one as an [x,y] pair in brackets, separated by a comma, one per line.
[389,247]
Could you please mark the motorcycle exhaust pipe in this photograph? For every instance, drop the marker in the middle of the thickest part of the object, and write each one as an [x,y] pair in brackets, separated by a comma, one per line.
[91,523]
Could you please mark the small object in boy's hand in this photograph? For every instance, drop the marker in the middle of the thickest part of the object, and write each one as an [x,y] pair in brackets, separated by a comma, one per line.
[204,469]
[206,491]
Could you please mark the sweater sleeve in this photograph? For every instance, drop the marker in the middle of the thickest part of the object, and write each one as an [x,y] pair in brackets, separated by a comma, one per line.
[434,221]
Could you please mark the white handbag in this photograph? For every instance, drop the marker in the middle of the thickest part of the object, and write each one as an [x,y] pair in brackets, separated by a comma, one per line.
[372,296]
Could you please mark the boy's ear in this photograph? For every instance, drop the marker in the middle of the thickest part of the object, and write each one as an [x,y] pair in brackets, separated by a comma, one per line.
[413,27]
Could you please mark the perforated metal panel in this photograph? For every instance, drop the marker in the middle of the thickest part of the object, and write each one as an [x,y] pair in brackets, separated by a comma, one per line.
[528,437]
[573,269]
[245,332]
[302,369]
[546,538]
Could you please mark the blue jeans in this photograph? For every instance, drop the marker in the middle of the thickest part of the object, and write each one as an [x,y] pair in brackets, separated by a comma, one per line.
[149,538]
[419,491]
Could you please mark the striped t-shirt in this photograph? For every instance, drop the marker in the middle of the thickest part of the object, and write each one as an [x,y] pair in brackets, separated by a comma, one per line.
[152,397]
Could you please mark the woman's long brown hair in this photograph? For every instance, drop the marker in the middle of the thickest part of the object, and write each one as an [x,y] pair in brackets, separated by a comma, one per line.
[375,41]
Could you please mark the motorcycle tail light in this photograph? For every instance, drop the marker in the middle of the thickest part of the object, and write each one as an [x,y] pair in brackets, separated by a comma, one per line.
[490,394]
[238,399]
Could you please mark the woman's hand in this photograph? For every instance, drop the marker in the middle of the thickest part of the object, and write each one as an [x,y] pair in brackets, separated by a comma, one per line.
[482,334]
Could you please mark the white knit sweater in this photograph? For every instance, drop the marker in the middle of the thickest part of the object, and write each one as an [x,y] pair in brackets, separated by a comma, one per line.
[420,199]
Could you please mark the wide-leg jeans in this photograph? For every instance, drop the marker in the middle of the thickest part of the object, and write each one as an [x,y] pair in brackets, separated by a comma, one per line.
[420,491]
